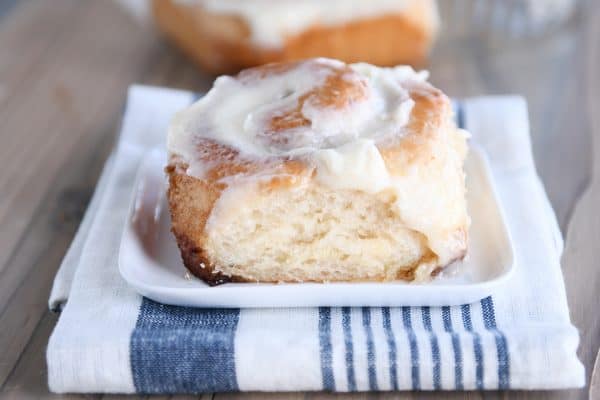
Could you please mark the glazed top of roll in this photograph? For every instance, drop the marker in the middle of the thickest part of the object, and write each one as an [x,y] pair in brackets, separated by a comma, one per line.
[322,111]
[270,21]
[384,131]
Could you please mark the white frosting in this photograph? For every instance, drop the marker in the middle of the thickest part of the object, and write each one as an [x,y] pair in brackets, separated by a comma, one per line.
[340,142]
[270,21]
[355,165]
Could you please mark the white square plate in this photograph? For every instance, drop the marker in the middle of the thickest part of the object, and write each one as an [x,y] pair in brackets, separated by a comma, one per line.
[150,262]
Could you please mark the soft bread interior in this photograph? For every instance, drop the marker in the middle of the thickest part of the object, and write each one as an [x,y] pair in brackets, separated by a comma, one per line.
[313,234]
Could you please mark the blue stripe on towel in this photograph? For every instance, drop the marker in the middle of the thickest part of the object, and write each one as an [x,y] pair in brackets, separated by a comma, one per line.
[460,114]
[435,348]
[326,348]
[468,324]
[346,326]
[180,349]
[366,320]
[489,319]
[456,348]
[414,350]
[392,350]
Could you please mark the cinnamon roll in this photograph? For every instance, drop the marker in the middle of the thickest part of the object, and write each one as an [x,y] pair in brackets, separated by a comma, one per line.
[224,36]
[318,171]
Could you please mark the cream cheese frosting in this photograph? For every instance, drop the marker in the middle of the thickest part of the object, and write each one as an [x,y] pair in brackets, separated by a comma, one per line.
[271,21]
[338,137]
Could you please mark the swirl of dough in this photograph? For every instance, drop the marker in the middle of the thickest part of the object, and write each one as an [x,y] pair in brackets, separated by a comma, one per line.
[320,109]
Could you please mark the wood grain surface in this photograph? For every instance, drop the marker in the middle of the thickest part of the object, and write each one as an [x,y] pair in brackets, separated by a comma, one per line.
[65,66]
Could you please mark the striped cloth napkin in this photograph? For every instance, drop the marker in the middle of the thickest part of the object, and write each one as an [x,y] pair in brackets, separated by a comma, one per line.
[110,339]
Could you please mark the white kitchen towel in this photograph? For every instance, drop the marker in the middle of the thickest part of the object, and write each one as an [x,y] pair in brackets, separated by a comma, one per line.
[110,339]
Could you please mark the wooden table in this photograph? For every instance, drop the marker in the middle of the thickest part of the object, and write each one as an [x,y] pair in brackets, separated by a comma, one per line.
[65,66]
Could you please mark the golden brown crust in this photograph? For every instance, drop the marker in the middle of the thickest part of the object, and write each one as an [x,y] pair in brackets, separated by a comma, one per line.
[220,43]
[336,93]
[197,262]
